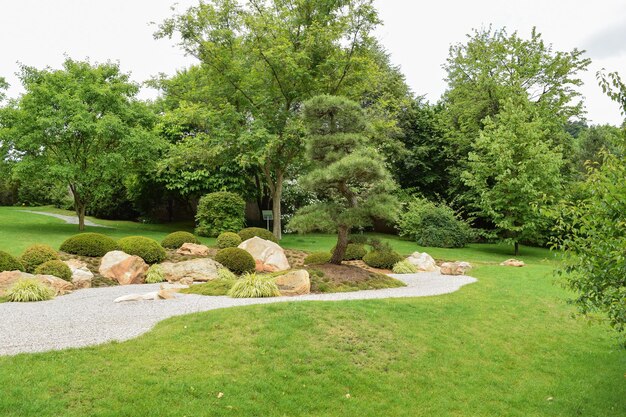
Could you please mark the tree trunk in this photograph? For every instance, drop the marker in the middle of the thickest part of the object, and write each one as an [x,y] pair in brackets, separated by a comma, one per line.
[79,208]
[342,244]
[277,195]
[516,248]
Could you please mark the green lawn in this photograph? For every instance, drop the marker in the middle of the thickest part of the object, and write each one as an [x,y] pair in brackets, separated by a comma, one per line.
[504,346]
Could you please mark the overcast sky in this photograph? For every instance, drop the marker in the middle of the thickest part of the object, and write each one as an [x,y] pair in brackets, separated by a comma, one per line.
[417,34]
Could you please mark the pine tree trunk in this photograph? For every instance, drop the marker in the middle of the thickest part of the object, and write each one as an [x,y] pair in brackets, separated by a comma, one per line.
[342,244]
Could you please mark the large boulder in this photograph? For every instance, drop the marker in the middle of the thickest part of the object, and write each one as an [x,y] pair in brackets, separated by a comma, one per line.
[81,275]
[269,256]
[513,262]
[294,283]
[60,286]
[191,249]
[124,268]
[455,268]
[201,269]
[9,278]
[423,262]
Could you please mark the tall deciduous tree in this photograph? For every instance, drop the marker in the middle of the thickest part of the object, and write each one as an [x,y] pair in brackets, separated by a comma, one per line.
[350,178]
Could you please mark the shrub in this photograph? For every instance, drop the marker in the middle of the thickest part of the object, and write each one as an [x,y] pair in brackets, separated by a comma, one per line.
[35,255]
[225,274]
[9,263]
[228,240]
[177,239]
[404,267]
[89,244]
[220,212]
[383,260]
[354,251]
[359,239]
[250,232]
[236,260]
[211,288]
[155,274]
[253,286]
[434,225]
[57,268]
[29,290]
[317,258]
[147,249]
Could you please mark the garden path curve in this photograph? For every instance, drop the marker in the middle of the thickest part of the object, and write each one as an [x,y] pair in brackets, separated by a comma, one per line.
[90,317]
[66,218]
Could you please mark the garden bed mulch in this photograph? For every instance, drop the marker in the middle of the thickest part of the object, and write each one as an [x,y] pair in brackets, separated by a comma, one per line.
[340,278]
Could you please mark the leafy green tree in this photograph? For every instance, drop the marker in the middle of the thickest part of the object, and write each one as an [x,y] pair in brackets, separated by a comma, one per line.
[513,167]
[592,141]
[350,178]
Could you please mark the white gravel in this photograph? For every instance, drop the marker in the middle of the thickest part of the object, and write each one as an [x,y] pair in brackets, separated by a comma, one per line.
[90,317]
[67,219]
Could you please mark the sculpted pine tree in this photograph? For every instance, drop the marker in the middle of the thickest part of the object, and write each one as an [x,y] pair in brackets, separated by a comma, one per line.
[350,178]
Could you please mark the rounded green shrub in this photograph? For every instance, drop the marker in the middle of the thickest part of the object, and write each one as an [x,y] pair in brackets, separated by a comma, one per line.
[220,212]
[354,251]
[236,260]
[147,249]
[382,260]
[250,232]
[35,255]
[228,240]
[155,274]
[404,267]
[9,263]
[253,286]
[89,244]
[317,258]
[26,290]
[57,268]
[177,239]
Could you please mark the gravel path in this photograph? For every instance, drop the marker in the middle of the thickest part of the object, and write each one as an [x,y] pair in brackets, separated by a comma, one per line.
[90,317]
[67,219]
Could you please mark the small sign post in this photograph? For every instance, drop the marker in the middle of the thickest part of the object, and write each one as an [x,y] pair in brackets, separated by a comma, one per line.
[267,216]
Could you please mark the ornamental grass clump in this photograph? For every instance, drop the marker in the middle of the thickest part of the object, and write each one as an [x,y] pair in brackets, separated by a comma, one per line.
[253,286]
[404,267]
[55,268]
[26,290]
[155,274]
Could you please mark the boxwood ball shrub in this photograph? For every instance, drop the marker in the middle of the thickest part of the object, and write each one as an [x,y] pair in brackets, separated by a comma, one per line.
[220,212]
[250,232]
[57,268]
[89,244]
[35,255]
[253,286]
[147,249]
[354,252]
[382,260]
[177,239]
[317,258]
[228,240]
[9,263]
[236,260]
[26,290]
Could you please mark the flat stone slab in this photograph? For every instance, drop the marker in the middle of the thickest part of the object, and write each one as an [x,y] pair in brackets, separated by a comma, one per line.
[90,317]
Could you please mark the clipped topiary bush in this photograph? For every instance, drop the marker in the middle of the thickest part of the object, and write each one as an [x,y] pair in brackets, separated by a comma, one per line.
[253,286]
[404,267]
[9,263]
[220,212]
[147,249]
[35,255]
[250,232]
[26,290]
[57,268]
[177,239]
[317,258]
[354,251]
[382,260]
[89,244]
[236,260]
[228,240]
[155,274]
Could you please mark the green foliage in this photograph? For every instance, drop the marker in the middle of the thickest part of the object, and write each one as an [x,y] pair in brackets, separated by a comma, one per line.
[382,260]
[176,239]
[57,268]
[250,232]
[433,225]
[147,249]
[228,240]
[26,290]
[354,252]
[219,212]
[253,286]
[89,244]
[225,274]
[155,274]
[236,260]
[404,267]
[211,288]
[35,255]
[9,263]
[318,258]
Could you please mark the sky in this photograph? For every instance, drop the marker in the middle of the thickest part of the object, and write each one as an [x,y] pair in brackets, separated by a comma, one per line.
[417,35]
